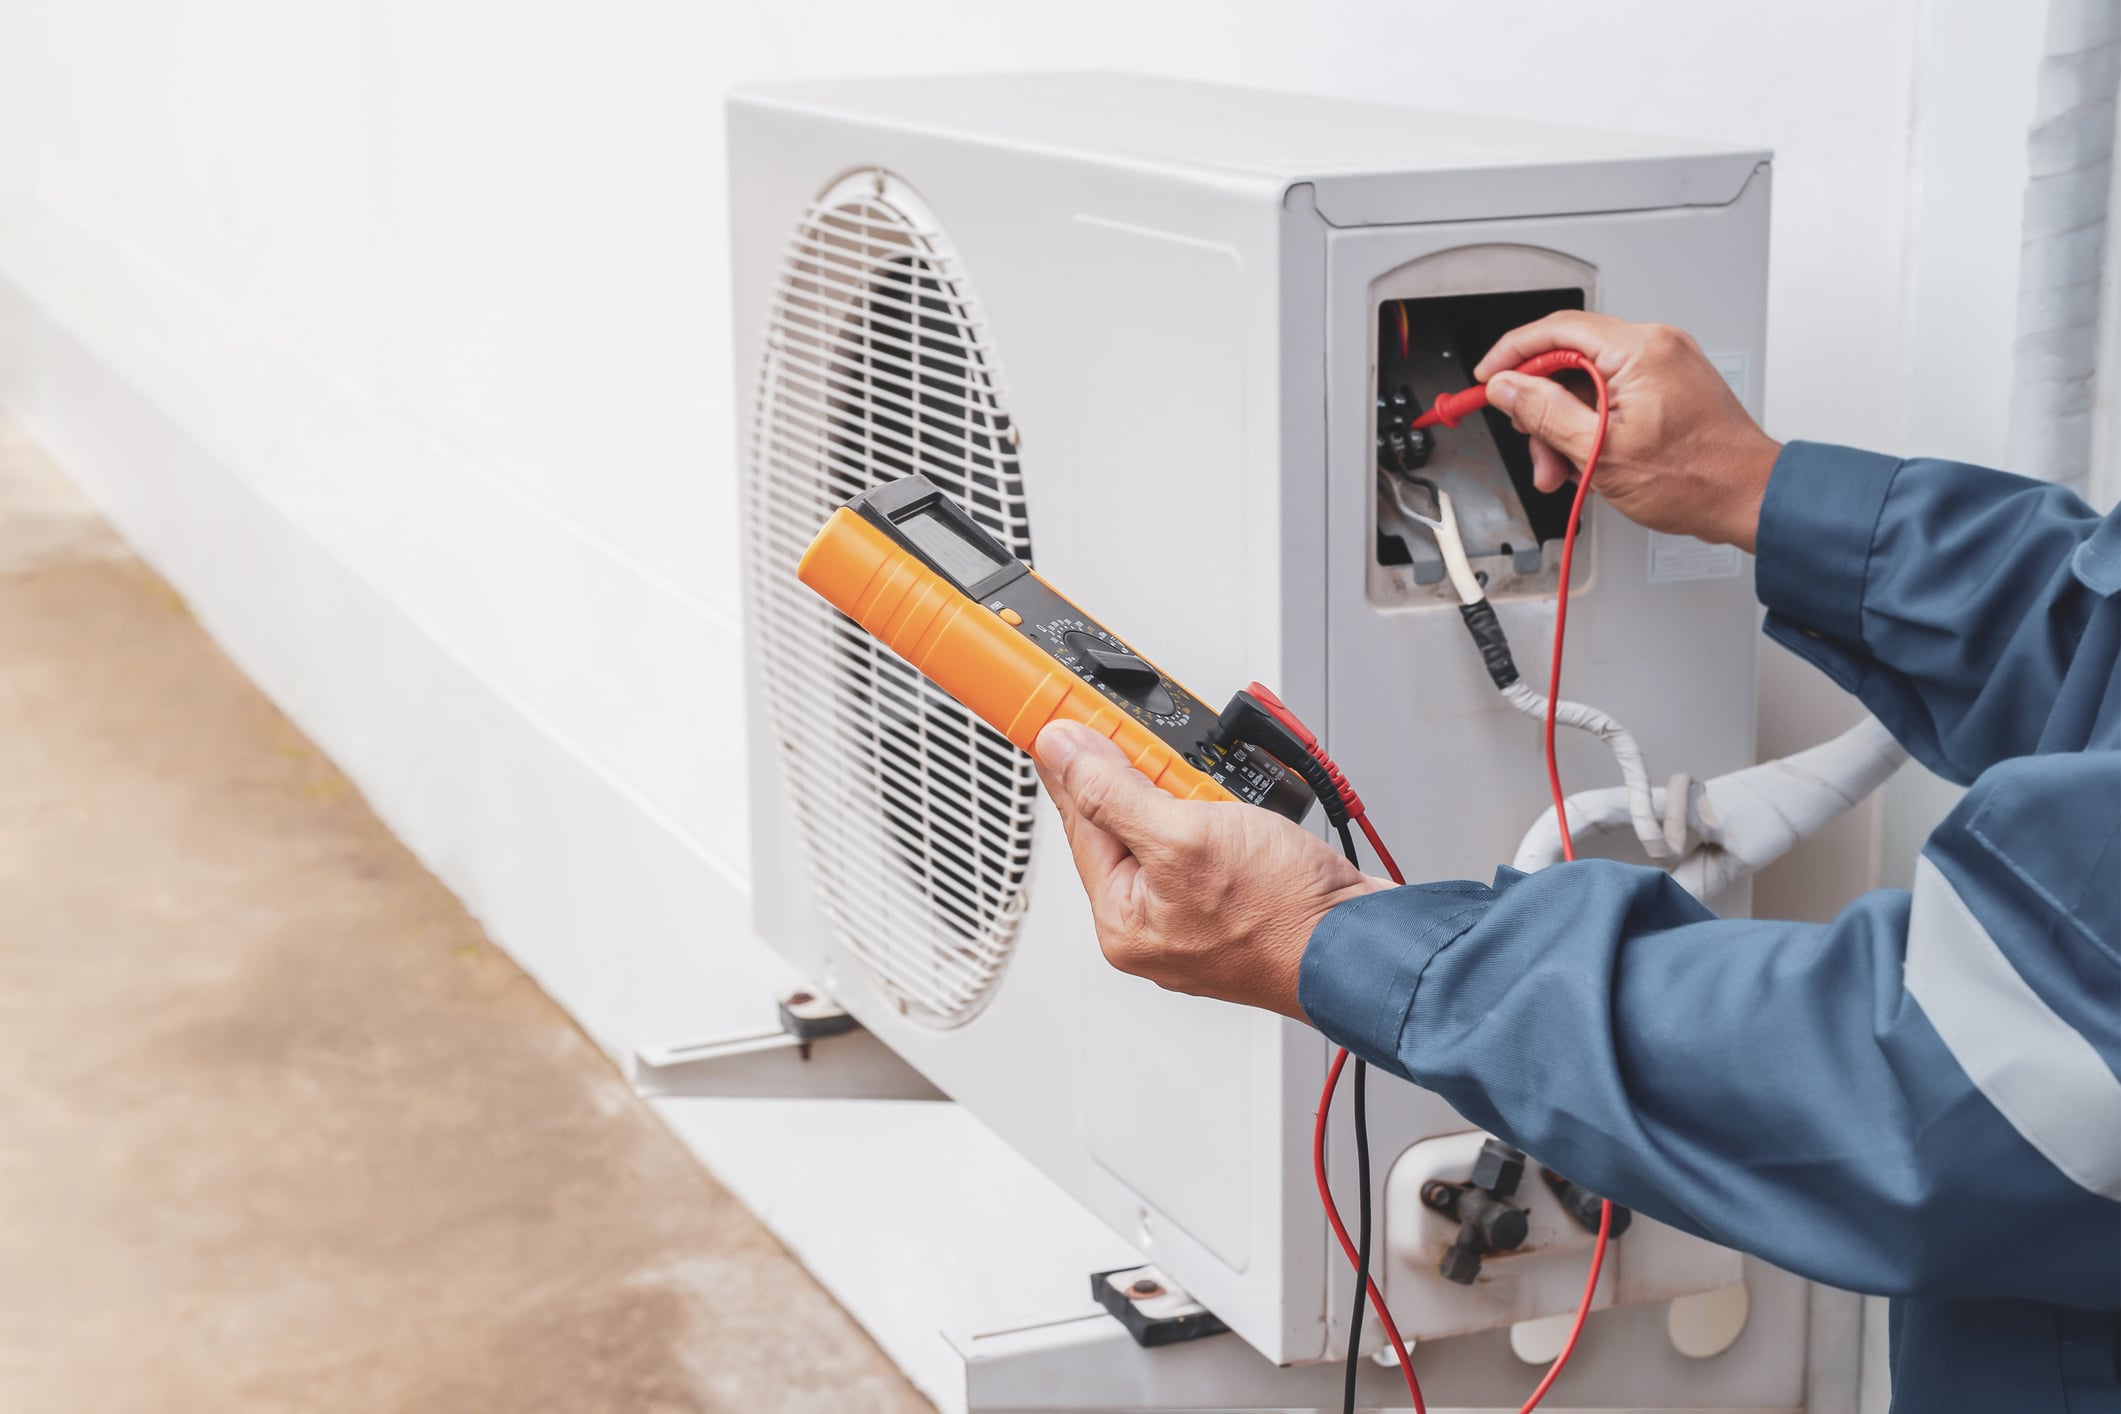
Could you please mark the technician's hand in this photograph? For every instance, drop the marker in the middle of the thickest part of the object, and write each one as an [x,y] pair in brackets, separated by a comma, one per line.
[1681,455]
[1216,899]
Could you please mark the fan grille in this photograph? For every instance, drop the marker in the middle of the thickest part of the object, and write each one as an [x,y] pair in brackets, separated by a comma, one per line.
[914,814]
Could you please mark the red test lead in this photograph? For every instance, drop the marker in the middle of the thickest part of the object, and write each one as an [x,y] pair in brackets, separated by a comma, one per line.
[1448,411]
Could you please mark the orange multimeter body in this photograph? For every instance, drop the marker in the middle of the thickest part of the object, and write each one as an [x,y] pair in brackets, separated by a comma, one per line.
[921,576]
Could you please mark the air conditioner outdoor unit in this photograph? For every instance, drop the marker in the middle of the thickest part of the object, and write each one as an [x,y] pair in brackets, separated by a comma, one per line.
[1143,329]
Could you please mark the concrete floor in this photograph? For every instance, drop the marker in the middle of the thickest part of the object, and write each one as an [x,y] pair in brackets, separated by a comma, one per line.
[279,1128]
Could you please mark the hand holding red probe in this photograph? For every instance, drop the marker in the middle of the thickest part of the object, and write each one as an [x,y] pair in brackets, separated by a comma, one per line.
[1681,454]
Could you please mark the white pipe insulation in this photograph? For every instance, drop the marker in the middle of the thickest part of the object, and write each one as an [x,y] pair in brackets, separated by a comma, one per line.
[1640,799]
[1734,825]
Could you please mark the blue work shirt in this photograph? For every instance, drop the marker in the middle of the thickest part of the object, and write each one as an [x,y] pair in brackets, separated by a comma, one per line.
[1918,1099]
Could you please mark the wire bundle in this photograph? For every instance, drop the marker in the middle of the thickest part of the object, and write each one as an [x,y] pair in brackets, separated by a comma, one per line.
[1357,1248]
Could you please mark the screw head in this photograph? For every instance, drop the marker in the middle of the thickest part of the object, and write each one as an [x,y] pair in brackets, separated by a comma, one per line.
[1144,1288]
[800,999]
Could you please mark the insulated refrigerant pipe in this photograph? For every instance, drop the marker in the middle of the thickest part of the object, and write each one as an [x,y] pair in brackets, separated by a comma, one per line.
[1742,822]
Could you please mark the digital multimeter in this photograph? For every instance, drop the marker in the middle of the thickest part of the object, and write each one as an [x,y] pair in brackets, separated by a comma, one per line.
[915,570]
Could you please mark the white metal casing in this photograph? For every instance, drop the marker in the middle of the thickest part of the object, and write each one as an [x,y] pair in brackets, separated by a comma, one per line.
[1178,282]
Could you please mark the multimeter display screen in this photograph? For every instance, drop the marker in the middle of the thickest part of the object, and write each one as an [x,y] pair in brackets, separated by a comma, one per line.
[942,542]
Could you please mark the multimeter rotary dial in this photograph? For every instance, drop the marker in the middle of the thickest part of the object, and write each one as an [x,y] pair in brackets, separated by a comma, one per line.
[1122,671]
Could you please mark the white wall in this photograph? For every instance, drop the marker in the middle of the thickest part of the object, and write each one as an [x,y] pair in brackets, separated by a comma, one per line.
[1975,94]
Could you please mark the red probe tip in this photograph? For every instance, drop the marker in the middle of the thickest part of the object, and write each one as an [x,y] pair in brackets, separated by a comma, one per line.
[1451,409]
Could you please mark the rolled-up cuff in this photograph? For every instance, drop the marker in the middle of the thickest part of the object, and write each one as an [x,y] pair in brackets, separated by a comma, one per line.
[1817,523]
[1365,959]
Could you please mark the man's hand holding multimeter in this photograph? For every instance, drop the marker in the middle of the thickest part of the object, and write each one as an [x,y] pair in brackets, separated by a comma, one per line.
[1191,886]
[1213,899]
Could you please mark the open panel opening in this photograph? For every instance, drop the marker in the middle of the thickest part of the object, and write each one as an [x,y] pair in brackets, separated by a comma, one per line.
[1429,346]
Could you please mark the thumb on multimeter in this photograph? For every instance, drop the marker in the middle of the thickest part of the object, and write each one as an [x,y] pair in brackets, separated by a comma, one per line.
[1058,743]
[1092,778]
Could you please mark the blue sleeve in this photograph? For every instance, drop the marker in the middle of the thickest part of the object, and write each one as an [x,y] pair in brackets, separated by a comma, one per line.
[1951,599]
[1917,1098]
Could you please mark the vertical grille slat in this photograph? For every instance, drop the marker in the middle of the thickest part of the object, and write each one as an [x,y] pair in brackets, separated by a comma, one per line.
[914,815]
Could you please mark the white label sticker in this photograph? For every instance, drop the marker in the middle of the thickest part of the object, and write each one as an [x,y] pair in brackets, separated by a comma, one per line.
[1680,557]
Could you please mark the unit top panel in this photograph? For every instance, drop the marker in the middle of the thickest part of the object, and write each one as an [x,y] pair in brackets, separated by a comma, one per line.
[1356,154]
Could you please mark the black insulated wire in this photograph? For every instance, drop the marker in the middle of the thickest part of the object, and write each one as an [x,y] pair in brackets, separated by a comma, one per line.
[1362,1184]
[1488,638]
[1362,1231]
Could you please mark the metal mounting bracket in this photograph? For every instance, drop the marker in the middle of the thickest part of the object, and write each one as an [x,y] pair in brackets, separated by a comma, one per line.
[819,1053]
[1155,1309]
[1087,1363]
[1091,1363]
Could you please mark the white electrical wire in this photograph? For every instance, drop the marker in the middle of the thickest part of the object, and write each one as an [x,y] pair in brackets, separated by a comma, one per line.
[1455,560]
[1444,526]
[1627,754]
